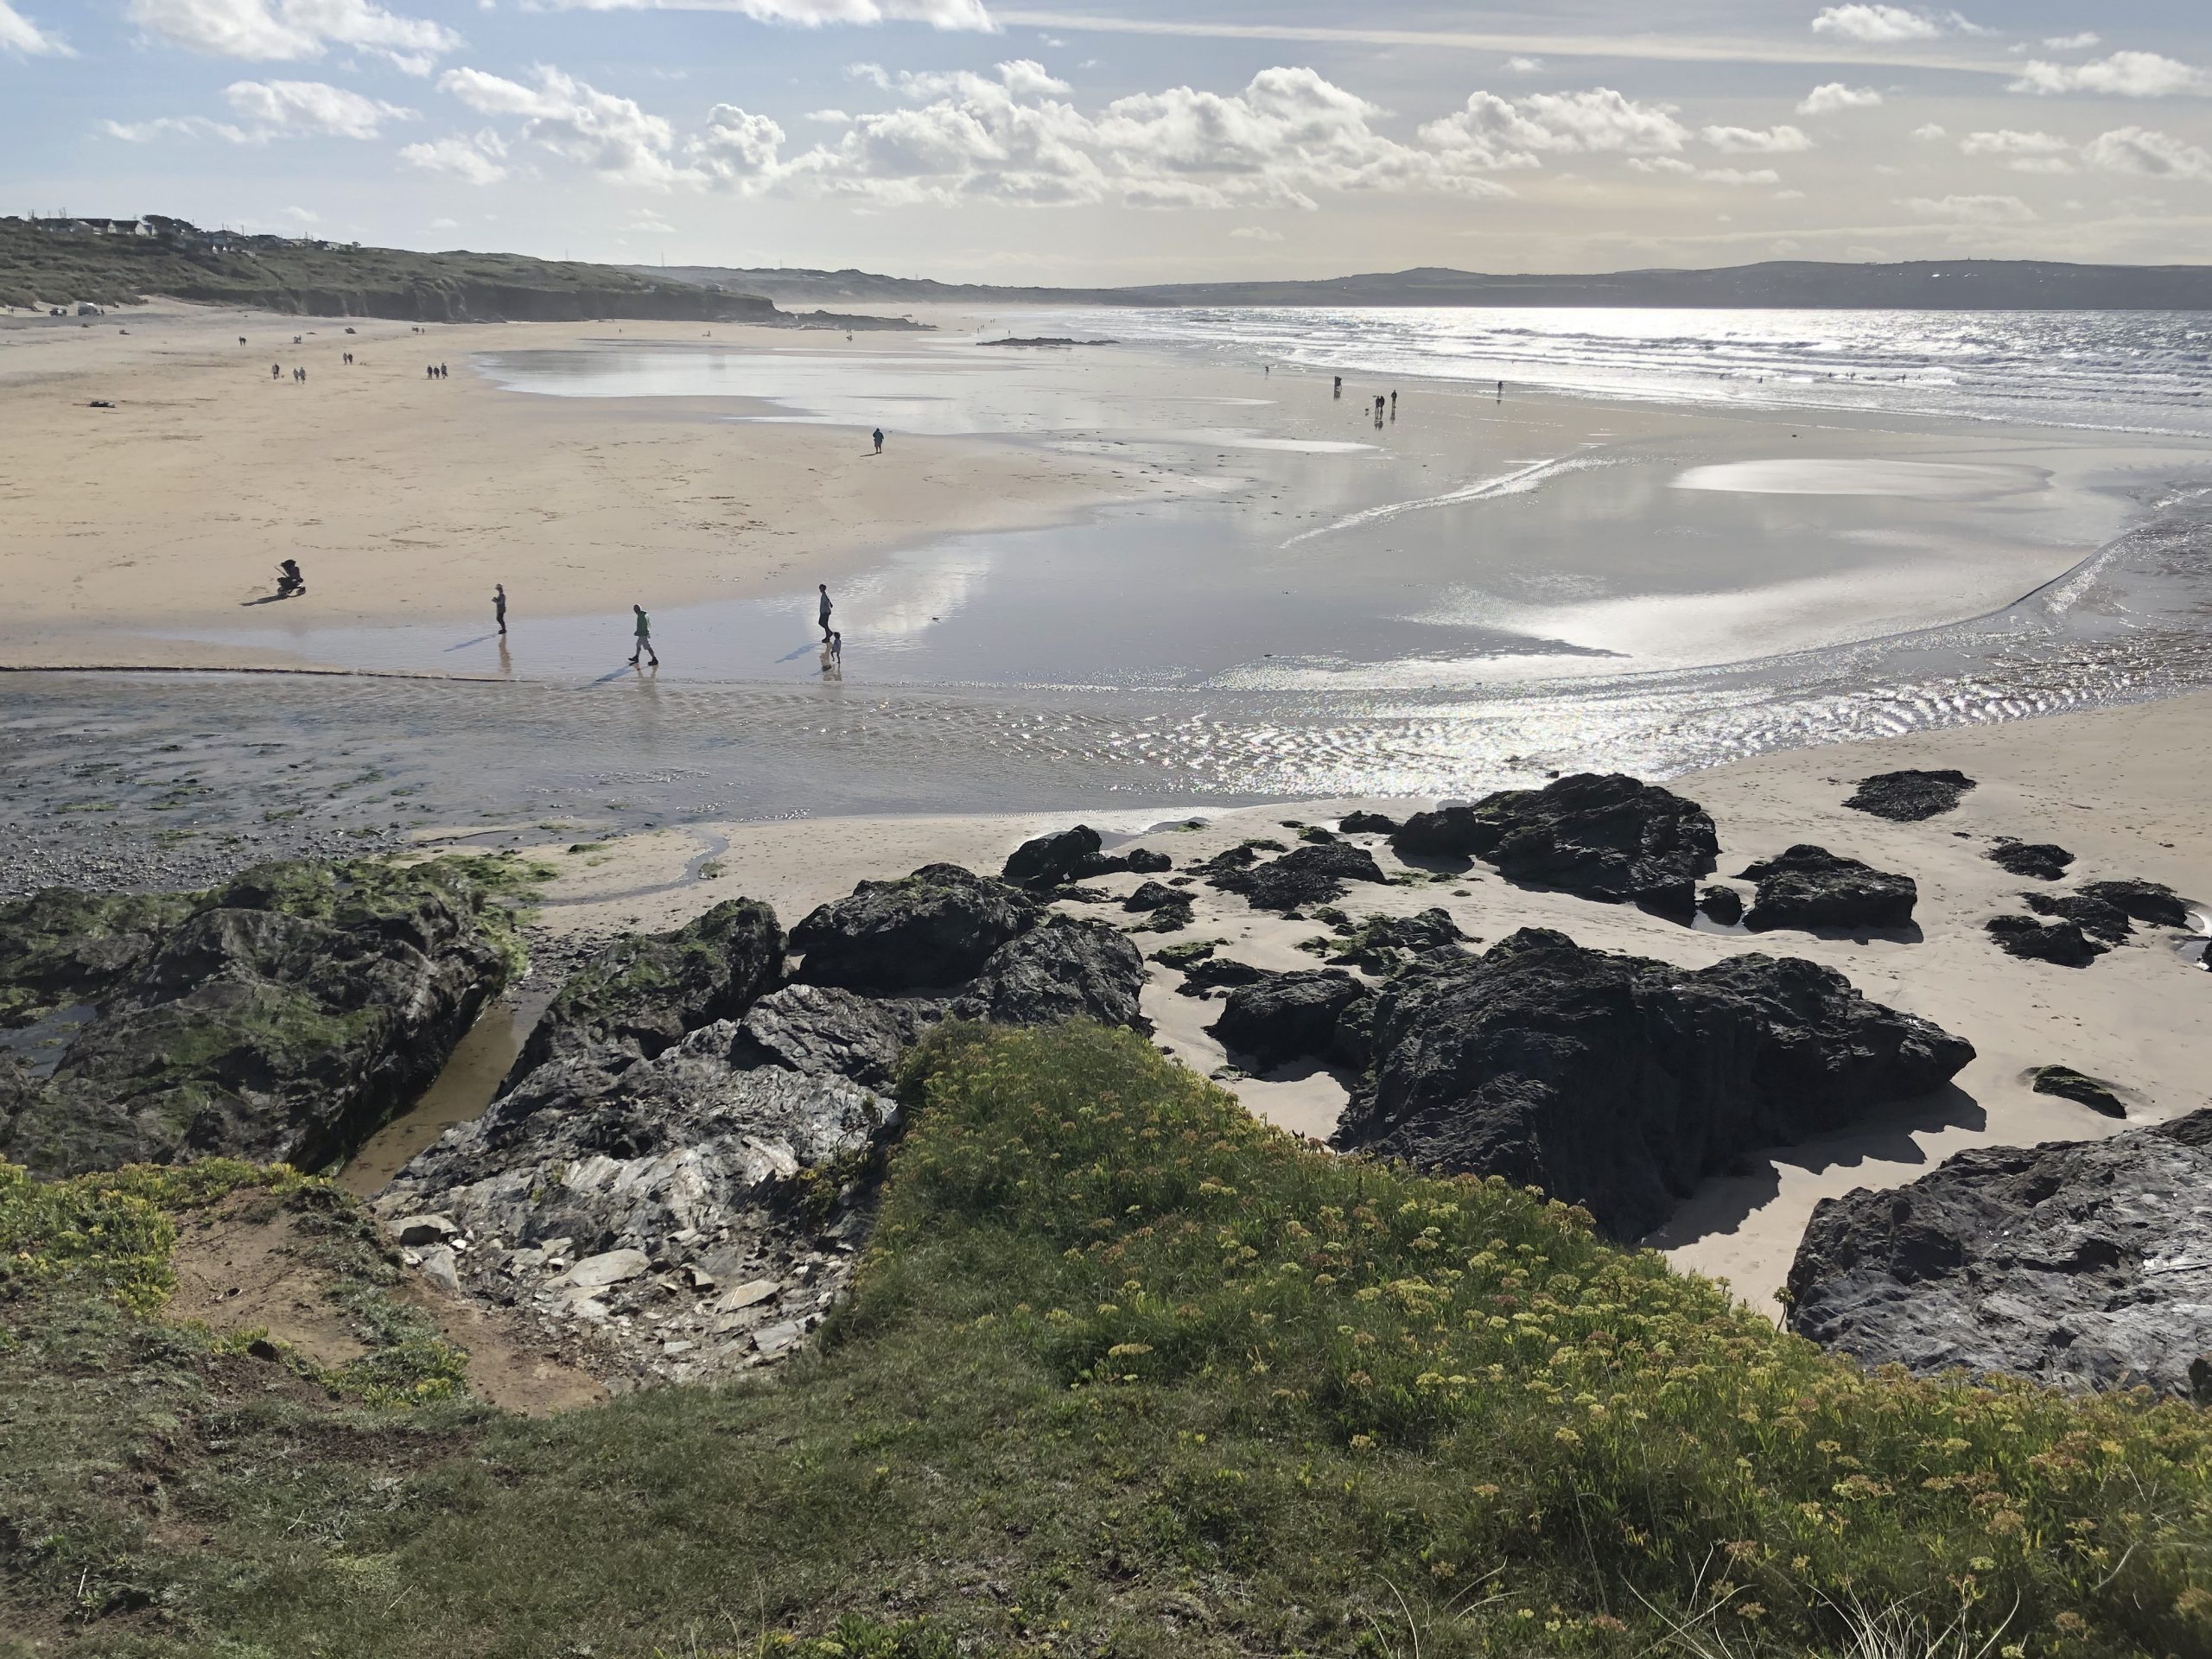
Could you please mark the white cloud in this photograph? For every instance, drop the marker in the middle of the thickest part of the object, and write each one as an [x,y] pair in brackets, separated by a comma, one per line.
[477,159]
[1255,233]
[2134,149]
[1835,96]
[303,216]
[1495,132]
[1753,141]
[612,137]
[736,145]
[2081,43]
[1971,210]
[1525,66]
[2124,74]
[2024,152]
[446,224]
[310,106]
[813,14]
[175,126]
[288,30]
[1676,167]
[1930,133]
[1889,25]
[19,33]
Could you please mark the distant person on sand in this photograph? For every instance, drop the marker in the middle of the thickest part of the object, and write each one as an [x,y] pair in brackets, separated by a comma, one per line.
[289,579]
[500,605]
[823,616]
[442,370]
[837,647]
[1394,405]
[276,370]
[878,440]
[644,640]
[1339,390]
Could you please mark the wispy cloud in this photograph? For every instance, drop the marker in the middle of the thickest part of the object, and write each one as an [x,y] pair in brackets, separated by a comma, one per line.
[19,33]
[2124,74]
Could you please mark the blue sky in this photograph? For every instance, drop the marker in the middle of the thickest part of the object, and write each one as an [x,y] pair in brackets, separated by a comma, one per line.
[1134,141]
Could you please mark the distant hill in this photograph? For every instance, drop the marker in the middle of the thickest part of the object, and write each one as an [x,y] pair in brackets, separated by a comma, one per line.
[1929,285]
[65,263]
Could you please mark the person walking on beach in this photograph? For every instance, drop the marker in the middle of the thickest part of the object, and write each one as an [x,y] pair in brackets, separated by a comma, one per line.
[644,640]
[1339,391]
[276,370]
[878,440]
[822,615]
[500,605]
[1394,405]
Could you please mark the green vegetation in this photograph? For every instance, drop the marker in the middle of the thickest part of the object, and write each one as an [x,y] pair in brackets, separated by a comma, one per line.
[59,947]
[1127,1372]
[40,268]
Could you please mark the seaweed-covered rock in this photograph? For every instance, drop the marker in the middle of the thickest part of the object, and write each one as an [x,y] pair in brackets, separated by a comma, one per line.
[1053,860]
[644,991]
[1380,943]
[1064,970]
[282,1020]
[2152,902]
[2080,1263]
[1811,887]
[1280,1018]
[2061,943]
[1619,1083]
[930,931]
[59,947]
[687,1216]
[2039,859]
[1310,874]
[1367,823]
[2094,917]
[1605,836]
[1724,905]
[2079,1087]
[826,1031]
[1909,796]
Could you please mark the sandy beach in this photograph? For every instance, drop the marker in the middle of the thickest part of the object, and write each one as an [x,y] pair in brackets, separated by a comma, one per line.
[2120,789]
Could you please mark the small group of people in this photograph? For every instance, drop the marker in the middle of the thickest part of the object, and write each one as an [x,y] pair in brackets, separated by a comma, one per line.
[434,371]
[277,372]
[833,642]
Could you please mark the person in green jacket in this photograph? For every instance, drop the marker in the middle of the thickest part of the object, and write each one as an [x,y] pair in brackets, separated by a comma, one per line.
[644,640]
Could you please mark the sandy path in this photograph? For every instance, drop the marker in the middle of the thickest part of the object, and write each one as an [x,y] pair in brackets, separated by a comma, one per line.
[2120,788]
[405,497]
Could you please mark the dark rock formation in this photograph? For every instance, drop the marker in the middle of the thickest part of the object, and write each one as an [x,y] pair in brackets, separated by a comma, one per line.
[59,947]
[2079,1263]
[1724,905]
[1154,895]
[2080,1088]
[282,1020]
[825,1031]
[1811,887]
[2094,917]
[1608,837]
[1052,860]
[930,931]
[2061,943]
[2038,860]
[1217,973]
[1367,823]
[1308,874]
[1909,796]
[1280,1018]
[2144,901]
[1380,943]
[644,992]
[1619,1083]
[690,1216]
[1064,970]
[1148,860]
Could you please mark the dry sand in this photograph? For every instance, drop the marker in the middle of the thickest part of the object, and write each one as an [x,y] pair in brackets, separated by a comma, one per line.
[2121,788]
[405,499]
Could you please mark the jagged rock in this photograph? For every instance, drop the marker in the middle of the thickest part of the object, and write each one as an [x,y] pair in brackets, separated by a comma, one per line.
[1380,943]
[1181,956]
[1154,895]
[826,1031]
[1724,905]
[1064,970]
[2151,902]
[1316,833]
[1909,796]
[282,1020]
[1217,973]
[423,1230]
[1619,1083]
[1367,823]
[1308,874]
[2080,1088]
[2061,943]
[1052,860]
[2037,859]
[1280,1018]
[1606,836]
[2093,916]
[640,1175]
[2081,1263]
[929,930]
[1811,887]
[59,947]
[1148,861]
[644,992]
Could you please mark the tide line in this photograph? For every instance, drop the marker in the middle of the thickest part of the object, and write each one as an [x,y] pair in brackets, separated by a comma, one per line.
[1506,484]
